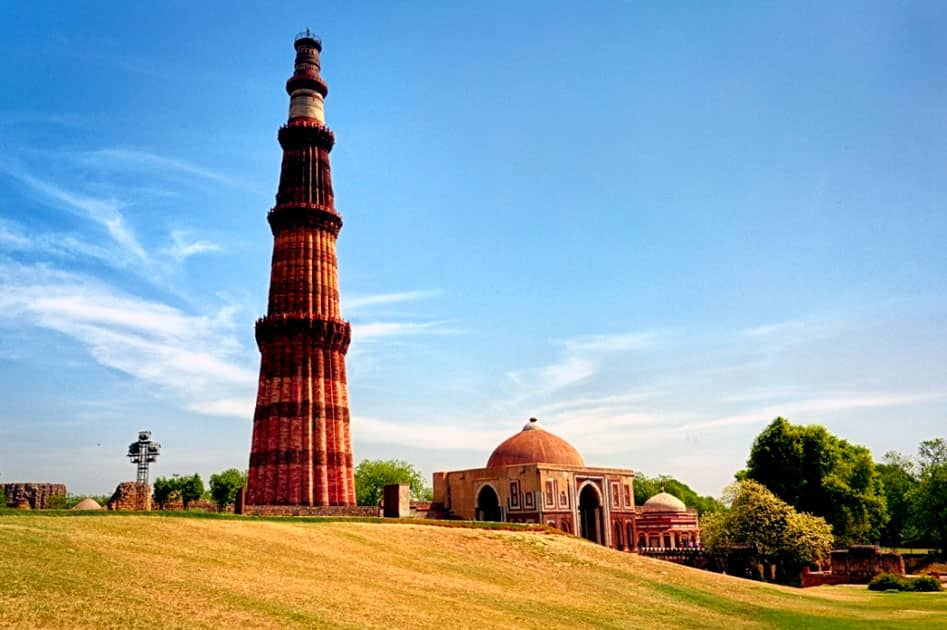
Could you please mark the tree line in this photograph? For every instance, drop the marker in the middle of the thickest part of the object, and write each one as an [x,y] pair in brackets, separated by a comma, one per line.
[805,491]
[223,489]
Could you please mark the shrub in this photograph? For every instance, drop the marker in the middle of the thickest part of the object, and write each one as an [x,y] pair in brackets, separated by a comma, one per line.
[925,584]
[888,582]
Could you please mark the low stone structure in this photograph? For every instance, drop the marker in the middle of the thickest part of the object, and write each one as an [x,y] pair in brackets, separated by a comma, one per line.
[130,496]
[397,501]
[32,495]
[313,510]
[856,565]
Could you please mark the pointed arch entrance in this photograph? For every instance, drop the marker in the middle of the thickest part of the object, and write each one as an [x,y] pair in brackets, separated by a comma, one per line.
[488,504]
[590,514]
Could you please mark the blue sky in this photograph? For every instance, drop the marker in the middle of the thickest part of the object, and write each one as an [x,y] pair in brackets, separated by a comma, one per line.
[656,227]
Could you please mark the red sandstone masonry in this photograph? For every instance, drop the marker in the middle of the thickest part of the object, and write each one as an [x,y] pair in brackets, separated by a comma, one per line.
[35,495]
[301,453]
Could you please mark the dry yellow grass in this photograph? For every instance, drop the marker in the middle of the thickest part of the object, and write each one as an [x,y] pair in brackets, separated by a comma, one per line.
[135,571]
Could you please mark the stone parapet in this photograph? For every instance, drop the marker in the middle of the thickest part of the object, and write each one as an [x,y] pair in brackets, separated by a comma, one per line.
[311,510]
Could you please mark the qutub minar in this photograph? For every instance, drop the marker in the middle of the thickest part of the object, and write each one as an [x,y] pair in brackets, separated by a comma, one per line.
[301,452]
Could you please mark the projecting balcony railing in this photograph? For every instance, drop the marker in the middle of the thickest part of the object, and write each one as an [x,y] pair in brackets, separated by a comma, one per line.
[307,34]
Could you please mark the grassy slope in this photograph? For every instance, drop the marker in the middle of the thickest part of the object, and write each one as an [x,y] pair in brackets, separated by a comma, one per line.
[146,571]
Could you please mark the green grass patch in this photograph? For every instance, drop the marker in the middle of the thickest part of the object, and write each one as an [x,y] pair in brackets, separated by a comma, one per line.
[179,569]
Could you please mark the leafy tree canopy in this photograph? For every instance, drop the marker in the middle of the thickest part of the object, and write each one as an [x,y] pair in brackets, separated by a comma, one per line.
[816,472]
[225,485]
[163,490]
[188,488]
[371,477]
[771,528]
[928,499]
[899,479]
[646,487]
[932,453]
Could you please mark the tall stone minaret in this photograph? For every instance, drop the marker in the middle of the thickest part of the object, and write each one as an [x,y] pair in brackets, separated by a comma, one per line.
[301,453]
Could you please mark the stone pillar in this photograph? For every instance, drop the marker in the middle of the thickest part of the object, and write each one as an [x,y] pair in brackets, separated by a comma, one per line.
[301,452]
[397,501]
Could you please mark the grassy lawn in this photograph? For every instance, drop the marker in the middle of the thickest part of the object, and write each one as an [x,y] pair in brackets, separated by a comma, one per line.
[163,571]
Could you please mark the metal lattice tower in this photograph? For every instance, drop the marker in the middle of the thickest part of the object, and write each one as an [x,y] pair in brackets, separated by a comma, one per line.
[143,453]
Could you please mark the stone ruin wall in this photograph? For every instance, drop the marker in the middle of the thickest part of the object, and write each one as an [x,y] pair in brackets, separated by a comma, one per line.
[855,565]
[303,510]
[34,495]
[128,496]
[863,562]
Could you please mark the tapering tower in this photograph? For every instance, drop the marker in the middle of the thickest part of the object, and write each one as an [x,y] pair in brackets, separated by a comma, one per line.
[301,453]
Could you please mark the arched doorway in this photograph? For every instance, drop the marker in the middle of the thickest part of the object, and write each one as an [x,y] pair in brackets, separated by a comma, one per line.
[590,515]
[616,539]
[488,505]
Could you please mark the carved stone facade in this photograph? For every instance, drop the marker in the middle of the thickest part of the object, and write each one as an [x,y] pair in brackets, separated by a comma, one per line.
[301,451]
[589,502]
[664,523]
[537,477]
[32,495]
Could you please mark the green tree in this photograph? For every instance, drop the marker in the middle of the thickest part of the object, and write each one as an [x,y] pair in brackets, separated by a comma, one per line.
[932,453]
[816,472]
[772,529]
[928,499]
[163,490]
[3,498]
[225,485]
[190,488]
[898,477]
[371,477]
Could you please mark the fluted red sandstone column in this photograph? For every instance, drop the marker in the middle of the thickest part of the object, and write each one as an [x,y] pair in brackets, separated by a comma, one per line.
[301,452]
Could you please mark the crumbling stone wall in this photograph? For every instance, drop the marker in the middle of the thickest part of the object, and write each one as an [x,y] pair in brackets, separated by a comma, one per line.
[856,565]
[130,496]
[863,562]
[36,495]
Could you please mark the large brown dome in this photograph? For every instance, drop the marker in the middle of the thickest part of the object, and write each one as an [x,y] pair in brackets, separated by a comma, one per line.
[535,445]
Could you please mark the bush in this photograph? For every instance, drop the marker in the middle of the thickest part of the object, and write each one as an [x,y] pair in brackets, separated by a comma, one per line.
[926,584]
[888,582]
[892,582]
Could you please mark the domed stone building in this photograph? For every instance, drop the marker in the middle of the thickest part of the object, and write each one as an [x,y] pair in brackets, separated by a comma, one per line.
[537,477]
[664,522]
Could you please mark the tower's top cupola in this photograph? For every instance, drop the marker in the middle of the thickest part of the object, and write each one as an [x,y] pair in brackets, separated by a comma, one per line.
[306,89]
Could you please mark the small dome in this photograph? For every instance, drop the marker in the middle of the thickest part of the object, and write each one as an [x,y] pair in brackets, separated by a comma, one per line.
[87,504]
[664,502]
[535,445]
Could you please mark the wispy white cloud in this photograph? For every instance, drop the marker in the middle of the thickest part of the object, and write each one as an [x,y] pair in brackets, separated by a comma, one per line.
[125,159]
[765,330]
[610,343]
[105,211]
[371,331]
[183,247]
[358,302]
[822,404]
[579,359]
[196,359]
[424,435]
